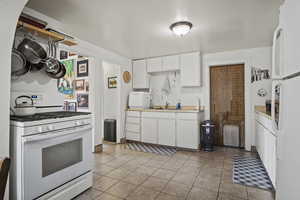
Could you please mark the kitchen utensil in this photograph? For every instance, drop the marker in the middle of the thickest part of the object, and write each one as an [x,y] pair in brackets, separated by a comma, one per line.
[32,51]
[19,65]
[24,108]
[52,64]
[60,74]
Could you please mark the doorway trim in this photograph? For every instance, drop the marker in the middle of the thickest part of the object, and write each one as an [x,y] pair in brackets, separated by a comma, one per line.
[241,142]
[233,58]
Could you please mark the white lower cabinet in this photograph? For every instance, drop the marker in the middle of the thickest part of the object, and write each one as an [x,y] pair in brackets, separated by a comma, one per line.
[166,132]
[165,128]
[266,148]
[133,126]
[187,134]
[149,130]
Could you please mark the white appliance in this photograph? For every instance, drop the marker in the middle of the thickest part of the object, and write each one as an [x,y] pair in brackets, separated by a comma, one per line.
[139,100]
[51,155]
[288,93]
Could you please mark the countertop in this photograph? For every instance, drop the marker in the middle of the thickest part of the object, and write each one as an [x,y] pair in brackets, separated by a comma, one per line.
[187,109]
[262,110]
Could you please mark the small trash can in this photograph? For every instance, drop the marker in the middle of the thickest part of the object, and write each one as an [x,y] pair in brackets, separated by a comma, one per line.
[110,130]
[207,129]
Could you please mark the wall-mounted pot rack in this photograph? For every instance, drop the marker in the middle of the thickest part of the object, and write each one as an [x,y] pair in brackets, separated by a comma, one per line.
[47,34]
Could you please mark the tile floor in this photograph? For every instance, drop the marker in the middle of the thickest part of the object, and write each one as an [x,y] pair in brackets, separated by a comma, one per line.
[120,173]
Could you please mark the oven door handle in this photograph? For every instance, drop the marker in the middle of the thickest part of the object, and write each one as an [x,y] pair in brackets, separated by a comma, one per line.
[55,134]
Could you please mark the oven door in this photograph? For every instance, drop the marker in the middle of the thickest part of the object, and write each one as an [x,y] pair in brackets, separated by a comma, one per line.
[54,158]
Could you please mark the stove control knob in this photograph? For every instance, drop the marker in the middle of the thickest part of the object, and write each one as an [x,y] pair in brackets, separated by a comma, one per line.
[77,123]
[50,127]
[40,129]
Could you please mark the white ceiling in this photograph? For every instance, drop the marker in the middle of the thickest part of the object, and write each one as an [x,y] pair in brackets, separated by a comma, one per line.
[140,28]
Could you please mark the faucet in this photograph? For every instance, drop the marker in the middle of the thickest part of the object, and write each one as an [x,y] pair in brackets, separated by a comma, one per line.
[167,105]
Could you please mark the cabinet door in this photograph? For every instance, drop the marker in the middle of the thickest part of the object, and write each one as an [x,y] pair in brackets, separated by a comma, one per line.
[140,77]
[154,64]
[190,70]
[272,160]
[260,141]
[166,132]
[171,63]
[187,134]
[149,130]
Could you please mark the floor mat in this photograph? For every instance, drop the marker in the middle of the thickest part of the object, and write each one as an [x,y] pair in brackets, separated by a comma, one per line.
[161,150]
[250,171]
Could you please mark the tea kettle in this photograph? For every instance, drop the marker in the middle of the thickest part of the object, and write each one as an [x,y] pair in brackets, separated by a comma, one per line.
[24,106]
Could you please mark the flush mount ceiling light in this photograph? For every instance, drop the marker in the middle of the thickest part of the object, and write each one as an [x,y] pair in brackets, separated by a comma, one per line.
[181,28]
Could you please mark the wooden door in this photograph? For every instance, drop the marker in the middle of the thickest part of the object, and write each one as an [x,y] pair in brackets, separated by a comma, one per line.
[227,101]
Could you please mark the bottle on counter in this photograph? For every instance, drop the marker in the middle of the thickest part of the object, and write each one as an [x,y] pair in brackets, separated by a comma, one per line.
[178,105]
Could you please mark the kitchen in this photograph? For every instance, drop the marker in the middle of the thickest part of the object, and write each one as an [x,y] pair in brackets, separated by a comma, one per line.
[178,76]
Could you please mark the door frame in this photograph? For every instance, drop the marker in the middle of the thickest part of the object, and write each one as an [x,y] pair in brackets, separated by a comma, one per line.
[210,97]
[219,60]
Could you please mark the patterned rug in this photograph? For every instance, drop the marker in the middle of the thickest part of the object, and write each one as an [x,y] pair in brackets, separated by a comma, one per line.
[149,148]
[250,171]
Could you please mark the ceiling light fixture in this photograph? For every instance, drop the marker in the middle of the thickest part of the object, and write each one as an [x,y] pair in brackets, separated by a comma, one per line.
[181,28]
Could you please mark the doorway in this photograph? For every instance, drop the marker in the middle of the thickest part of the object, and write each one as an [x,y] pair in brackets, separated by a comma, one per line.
[227,100]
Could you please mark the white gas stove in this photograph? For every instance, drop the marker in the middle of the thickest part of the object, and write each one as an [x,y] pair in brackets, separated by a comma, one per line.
[51,155]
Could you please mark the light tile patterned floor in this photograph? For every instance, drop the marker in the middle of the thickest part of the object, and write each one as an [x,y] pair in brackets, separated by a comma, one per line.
[120,173]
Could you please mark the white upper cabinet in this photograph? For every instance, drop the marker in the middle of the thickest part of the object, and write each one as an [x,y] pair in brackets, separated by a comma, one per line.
[289,19]
[140,77]
[154,65]
[171,63]
[190,70]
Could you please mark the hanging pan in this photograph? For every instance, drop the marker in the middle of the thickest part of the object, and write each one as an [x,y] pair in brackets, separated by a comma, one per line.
[19,65]
[32,50]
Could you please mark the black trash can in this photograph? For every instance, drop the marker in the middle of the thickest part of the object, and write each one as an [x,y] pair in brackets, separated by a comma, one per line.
[207,129]
[110,130]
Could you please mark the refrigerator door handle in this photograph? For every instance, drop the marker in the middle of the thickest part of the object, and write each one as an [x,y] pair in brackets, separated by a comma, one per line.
[276,73]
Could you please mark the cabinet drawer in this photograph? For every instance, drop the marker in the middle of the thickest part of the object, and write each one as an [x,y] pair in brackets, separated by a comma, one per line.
[133,114]
[133,120]
[188,116]
[133,127]
[266,122]
[133,136]
[158,115]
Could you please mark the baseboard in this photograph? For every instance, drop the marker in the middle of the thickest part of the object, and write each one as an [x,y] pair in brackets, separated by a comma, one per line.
[123,140]
[98,148]
[253,149]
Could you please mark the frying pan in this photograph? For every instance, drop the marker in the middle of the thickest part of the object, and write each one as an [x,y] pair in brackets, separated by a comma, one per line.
[61,73]
[32,51]
[19,65]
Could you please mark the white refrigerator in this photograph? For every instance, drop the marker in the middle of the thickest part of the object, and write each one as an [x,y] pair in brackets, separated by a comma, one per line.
[286,100]
[288,141]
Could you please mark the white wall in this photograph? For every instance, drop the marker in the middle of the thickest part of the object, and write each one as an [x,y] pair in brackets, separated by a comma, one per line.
[9,13]
[115,99]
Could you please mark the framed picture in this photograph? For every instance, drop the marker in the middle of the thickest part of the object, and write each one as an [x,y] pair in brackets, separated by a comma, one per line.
[87,86]
[66,84]
[112,82]
[79,85]
[83,100]
[83,68]
[70,106]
